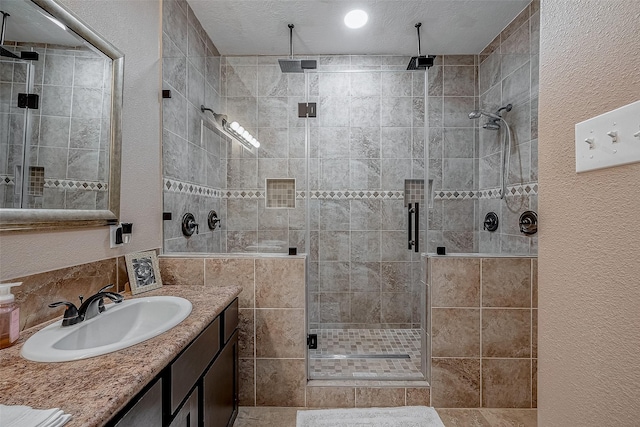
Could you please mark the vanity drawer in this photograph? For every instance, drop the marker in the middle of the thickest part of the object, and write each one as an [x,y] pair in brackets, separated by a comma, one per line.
[230,320]
[190,365]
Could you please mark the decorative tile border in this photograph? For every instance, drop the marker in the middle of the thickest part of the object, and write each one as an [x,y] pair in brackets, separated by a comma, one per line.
[173,186]
[491,193]
[62,184]
[357,195]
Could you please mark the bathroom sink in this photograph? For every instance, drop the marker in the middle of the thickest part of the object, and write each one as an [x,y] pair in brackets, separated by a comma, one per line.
[119,326]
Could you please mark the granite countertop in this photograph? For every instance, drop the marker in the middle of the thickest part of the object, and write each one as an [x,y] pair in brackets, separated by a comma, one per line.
[94,390]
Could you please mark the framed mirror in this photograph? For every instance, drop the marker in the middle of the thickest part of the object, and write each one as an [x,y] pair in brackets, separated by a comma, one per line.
[61,89]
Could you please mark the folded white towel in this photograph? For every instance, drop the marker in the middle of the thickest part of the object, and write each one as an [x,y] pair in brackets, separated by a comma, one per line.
[26,416]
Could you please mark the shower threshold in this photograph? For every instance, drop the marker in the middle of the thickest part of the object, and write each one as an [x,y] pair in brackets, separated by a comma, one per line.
[360,356]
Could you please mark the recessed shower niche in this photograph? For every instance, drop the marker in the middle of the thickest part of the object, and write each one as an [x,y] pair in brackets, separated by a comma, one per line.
[280,193]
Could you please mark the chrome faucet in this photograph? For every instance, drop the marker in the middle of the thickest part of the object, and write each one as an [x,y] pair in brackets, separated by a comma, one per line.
[89,308]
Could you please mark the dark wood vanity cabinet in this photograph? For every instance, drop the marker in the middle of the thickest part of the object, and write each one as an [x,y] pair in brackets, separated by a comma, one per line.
[199,388]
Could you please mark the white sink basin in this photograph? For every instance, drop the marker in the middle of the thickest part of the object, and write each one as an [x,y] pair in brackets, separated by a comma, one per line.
[119,326]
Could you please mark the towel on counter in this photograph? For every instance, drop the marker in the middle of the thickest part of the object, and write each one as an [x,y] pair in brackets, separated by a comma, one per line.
[26,416]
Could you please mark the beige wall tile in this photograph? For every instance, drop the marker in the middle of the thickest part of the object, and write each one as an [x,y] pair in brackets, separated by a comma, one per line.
[246,335]
[455,383]
[369,397]
[456,332]
[280,283]
[418,396]
[280,333]
[506,282]
[506,383]
[182,271]
[506,333]
[246,386]
[280,382]
[534,383]
[534,283]
[331,397]
[239,272]
[455,282]
[534,333]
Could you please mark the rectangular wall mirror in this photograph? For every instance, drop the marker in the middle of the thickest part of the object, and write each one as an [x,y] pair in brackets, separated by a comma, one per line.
[60,120]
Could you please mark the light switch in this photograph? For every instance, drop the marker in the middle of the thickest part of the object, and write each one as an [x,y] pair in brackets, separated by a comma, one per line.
[609,139]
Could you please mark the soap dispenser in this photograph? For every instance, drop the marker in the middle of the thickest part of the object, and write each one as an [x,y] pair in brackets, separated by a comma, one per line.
[9,316]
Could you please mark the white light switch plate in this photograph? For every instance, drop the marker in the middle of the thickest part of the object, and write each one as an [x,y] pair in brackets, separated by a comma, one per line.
[595,149]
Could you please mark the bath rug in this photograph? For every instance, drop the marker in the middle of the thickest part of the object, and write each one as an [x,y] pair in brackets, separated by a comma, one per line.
[406,416]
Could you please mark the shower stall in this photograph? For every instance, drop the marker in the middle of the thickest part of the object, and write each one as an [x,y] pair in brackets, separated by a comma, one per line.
[364,167]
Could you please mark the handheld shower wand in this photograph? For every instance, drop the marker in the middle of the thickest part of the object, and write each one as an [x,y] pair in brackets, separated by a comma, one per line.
[494,124]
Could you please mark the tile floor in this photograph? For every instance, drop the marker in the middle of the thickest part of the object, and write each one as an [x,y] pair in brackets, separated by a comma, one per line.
[486,417]
[367,343]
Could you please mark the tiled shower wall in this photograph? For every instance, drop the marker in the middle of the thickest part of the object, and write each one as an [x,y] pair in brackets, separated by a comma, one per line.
[508,73]
[70,129]
[464,158]
[194,169]
[484,323]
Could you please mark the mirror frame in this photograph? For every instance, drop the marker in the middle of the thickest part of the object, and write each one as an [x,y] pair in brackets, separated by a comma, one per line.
[35,219]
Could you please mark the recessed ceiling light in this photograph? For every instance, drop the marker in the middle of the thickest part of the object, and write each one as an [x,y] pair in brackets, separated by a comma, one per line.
[356,18]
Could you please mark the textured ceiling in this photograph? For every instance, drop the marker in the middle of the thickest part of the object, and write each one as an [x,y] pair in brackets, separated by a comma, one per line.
[259,27]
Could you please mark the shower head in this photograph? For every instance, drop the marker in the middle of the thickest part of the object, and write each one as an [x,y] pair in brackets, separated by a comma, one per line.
[492,125]
[291,65]
[420,62]
[475,114]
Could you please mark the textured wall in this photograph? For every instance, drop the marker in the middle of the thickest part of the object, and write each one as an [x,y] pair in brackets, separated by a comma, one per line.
[589,271]
[134,28]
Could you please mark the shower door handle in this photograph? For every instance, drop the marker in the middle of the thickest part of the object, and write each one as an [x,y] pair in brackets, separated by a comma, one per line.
[413,233]
[409,232]
[416,236]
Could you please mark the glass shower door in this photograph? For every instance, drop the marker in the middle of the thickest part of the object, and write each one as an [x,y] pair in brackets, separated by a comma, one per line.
[366,165]
[14,157]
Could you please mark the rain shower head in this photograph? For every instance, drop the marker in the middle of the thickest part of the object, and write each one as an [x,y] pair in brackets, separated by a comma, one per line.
[420,62]
[291,65]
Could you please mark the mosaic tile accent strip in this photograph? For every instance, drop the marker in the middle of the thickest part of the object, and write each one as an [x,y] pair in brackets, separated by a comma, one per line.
[491,193]
[281,193]
[413,191]
[64,184]
[174,186]
[69,184]
[366,342]
[357,195]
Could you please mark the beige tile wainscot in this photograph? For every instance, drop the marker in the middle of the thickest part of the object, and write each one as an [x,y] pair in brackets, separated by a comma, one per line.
[94,390]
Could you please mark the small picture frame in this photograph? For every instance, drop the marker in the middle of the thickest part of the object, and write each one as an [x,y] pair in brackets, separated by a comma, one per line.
[143,271]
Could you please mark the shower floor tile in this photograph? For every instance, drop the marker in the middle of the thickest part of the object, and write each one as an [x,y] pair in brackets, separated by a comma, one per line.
[344,344]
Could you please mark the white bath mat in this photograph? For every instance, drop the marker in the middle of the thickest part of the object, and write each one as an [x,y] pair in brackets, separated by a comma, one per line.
[406,416]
